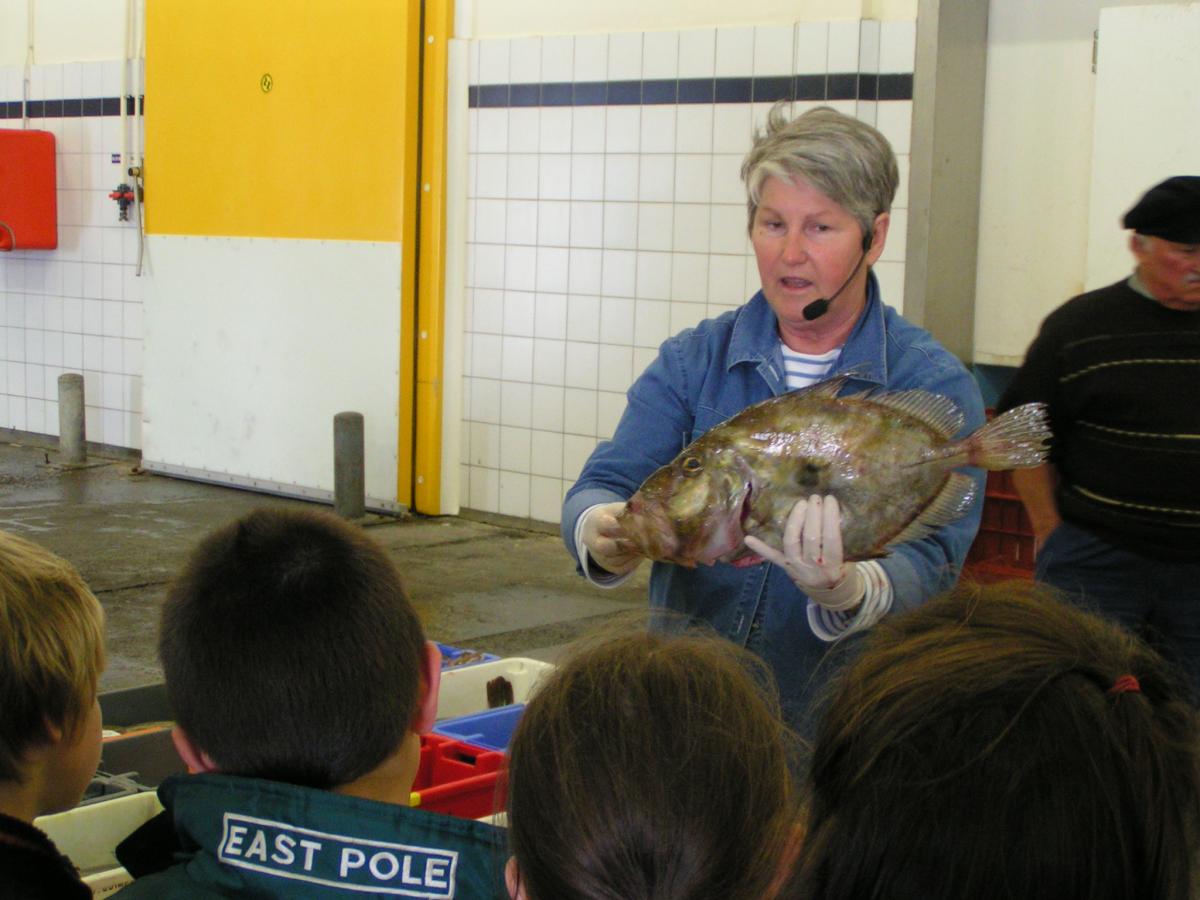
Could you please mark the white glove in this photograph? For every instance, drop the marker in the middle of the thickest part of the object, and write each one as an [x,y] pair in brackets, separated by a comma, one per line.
[812,554]
[605,540]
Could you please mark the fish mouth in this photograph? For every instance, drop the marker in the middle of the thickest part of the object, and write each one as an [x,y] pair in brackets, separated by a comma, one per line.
[730,540]
[745,514]
[739,554]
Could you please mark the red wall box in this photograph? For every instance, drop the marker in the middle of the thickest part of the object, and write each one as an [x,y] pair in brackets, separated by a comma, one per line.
[28,198]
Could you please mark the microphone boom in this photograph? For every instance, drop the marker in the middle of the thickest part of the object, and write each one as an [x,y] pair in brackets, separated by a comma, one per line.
[820,306]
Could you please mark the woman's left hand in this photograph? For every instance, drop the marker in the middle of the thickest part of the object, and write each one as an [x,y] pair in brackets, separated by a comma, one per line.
[812,554]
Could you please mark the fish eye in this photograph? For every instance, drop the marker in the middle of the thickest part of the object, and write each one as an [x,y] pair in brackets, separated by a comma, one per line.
[692,465]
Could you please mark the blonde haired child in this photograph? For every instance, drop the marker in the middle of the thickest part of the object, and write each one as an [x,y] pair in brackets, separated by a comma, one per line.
[51,657]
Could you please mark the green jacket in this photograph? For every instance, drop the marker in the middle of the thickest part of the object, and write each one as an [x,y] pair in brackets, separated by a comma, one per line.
[248,837]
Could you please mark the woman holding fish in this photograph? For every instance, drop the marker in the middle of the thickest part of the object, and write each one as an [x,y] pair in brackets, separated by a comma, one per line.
[820,188]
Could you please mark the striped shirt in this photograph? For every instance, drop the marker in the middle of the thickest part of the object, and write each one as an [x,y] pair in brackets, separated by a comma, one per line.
[801,370]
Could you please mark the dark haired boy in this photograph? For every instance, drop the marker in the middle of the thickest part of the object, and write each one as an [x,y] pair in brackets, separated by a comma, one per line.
[300,680]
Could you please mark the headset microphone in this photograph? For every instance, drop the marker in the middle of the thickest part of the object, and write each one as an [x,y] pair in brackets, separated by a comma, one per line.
[819,307]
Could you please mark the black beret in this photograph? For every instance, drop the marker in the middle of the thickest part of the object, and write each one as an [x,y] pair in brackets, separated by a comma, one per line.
[1169,210]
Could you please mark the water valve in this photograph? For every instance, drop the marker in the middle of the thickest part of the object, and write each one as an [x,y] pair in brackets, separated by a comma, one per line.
[124,196]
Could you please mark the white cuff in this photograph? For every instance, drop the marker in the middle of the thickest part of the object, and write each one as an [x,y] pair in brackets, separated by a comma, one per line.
[846,594]
[828,625]
[592,572]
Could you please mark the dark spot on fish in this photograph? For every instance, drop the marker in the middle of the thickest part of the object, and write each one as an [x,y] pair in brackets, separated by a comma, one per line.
[810,475]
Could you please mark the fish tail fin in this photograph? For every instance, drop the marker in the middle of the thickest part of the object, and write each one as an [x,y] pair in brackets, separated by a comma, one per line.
[1014,440]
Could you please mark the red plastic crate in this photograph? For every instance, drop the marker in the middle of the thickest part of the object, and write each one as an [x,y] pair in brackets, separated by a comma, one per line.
[1000,484]
[457,779]
[1004,546]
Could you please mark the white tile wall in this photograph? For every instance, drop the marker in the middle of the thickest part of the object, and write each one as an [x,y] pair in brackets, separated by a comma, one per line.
[697,53]
[77,308]
[598,232]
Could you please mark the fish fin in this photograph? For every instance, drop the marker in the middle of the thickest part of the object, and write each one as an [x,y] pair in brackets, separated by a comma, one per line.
[830,387]
[1013,440]
[938,412]
[955,497]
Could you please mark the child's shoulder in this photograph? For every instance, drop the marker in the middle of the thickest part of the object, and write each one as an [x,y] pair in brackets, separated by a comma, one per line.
[32,866]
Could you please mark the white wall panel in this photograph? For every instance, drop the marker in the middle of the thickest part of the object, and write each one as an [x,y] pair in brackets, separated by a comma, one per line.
[1038,115]
[1137,142]
[491,18]
[253,345]
[64,30]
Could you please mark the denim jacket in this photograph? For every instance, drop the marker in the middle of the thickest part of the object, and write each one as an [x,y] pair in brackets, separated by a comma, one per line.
[706,374]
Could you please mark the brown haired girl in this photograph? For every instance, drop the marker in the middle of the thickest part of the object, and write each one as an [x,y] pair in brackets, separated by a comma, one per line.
[651,766]
[997,743]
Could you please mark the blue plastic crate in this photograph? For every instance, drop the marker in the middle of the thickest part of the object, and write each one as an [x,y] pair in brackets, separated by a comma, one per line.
[491,730]
[453,657]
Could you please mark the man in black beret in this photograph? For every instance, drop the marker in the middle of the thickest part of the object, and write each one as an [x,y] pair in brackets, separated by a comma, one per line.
[1116,510]
[1166,226]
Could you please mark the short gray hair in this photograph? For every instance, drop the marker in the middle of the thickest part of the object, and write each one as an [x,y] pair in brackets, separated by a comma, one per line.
[845,159]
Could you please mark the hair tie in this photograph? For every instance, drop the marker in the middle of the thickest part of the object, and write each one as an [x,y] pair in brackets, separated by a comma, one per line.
[1125,684]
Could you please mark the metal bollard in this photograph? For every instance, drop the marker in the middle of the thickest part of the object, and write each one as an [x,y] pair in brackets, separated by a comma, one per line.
[72,446]
[349,484]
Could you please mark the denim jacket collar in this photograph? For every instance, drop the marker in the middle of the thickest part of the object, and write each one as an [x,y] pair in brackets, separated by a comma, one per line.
[755,340]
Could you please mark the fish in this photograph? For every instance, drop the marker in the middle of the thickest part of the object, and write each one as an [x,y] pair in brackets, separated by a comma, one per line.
[890,458]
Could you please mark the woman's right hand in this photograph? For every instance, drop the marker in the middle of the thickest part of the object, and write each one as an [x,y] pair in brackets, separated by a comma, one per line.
[605,540]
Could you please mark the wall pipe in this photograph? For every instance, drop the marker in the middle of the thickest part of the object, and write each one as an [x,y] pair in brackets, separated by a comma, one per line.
[137,164]
[125,89]
[29,18]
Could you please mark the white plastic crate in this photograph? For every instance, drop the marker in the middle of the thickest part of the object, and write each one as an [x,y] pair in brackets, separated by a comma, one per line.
[89,835]
[464,691]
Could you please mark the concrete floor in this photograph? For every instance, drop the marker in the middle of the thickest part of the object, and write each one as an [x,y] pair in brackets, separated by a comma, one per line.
[498,585]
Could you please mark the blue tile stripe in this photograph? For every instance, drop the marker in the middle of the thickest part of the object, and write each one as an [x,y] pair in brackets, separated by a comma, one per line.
[74,108]
[834,86]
